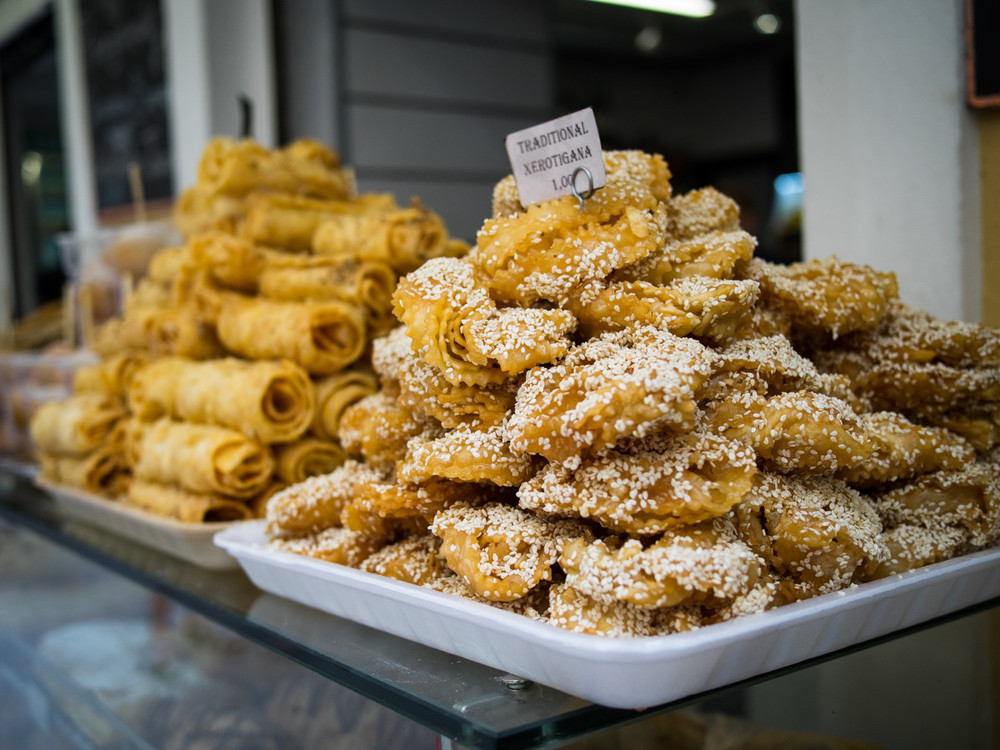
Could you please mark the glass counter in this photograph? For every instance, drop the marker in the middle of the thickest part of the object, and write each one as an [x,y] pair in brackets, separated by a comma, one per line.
[106,643]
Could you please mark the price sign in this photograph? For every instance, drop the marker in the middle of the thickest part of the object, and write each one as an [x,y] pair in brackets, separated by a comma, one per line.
[559,157]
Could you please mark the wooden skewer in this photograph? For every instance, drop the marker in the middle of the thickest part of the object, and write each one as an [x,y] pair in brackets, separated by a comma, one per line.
[69,315]
[7,332]
[127,287]
[87,326]
[138,195]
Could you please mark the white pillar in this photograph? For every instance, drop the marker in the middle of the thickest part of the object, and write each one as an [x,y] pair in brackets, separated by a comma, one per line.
[81,189]
[216,50]
[241,62]
[185,47]
[888,148]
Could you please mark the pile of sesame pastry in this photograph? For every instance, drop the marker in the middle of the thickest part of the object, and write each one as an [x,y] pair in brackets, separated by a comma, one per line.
[616,420]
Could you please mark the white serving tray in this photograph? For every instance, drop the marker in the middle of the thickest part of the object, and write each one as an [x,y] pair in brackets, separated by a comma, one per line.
[192,542]
[618,672]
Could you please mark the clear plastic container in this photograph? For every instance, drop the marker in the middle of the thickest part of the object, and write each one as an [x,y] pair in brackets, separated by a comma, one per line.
[129,248]
[28,380]
[102,268]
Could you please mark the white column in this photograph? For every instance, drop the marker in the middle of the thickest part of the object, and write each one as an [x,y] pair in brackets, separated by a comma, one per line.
[241,62]
[888,148]
[75,117]
[216,50]
[185,47]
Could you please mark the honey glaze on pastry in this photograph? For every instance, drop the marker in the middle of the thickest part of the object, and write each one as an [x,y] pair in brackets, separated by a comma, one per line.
[616,420]
[815,530]
[502,552]
[415,559]
[610,387]
[705,561]
[649,488]
[467,455]
[827,295]
[455,326]
[940,515]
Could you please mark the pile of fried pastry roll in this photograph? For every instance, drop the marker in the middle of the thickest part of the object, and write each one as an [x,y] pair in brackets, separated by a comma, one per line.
[236,354]
[617,420]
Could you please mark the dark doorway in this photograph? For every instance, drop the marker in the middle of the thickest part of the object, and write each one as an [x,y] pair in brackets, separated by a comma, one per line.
[36,174]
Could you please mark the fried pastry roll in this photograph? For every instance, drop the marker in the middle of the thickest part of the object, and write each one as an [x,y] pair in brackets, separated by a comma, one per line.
[631,383]
[828,295]
[270,401]
[167,264]
[200,209]
[388,353]
[132,331]
[230,261]
[367,284]
[307,457]
[816,530]
[656,485]
[466,455]
[202,459]
[700,562]
[237,167]
[149,293]
[774,361]
[127,437]
[455,326]
[322,337]
[175,502]
[501,551]
[112,376]
[914,545]
[938,516]
[77,425]
[178,331]
[315,503]
[102,471]
[334,393]
[403,238]
[289,222]
[108,340]
[258,503]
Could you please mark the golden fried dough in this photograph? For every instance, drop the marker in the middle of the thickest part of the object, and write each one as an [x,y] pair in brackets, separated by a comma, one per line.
[657,485]
[626,384]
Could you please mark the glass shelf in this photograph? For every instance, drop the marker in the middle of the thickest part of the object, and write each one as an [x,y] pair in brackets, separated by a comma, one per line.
[460,701]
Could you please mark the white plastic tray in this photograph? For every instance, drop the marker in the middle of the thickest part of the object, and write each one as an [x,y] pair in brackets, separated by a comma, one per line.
[618,672]
[191,542]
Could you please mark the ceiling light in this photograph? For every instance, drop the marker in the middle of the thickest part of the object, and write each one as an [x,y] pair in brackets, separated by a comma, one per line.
[691,8]
[767,23]
[648,39]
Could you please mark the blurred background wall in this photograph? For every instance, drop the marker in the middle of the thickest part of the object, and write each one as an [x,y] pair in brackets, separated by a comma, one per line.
[840,128]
